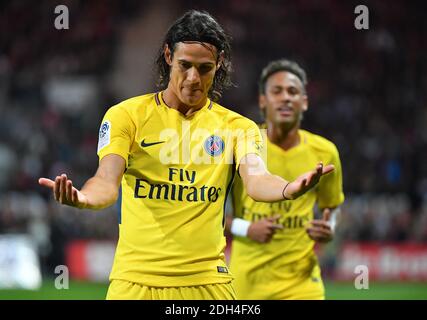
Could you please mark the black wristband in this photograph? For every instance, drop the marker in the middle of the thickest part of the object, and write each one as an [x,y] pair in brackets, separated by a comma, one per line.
[283,192]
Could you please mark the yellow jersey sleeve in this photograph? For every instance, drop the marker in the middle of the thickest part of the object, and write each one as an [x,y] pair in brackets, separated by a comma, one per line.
[116,134]
[248,140]
[330,190]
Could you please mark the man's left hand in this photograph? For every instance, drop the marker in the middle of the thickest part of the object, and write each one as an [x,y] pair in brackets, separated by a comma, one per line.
[320,230]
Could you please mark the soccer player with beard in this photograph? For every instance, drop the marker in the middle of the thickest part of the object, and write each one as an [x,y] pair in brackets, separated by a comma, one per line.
[169,159]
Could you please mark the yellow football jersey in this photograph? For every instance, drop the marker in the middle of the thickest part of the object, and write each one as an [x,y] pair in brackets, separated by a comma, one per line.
[292,243]
[178,173]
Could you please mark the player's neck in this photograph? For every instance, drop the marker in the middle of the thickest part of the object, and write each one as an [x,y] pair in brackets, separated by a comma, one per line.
[173,102]
[283,136]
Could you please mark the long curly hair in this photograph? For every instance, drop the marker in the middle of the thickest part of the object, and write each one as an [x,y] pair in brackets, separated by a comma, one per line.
[198,26]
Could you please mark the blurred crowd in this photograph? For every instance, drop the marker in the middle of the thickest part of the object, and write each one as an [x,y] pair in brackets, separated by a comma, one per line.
[367,93]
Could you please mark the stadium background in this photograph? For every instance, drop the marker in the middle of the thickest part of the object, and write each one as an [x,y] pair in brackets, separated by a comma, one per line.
[367,92]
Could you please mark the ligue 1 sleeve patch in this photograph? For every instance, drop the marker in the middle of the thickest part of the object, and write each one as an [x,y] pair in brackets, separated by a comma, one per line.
[257,145]
[104,135]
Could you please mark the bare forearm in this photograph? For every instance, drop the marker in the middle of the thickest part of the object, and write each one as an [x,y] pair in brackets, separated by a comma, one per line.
[100,193]
[262,186]
[228,222]
[266,187]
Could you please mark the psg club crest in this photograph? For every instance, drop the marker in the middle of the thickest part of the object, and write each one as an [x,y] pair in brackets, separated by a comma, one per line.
[214,145]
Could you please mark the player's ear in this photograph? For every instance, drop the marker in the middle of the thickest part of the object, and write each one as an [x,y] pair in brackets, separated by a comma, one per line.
[262,104]
[220,60]
[305,103]
[168,55]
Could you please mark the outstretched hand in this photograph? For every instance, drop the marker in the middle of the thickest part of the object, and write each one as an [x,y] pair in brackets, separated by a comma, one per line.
[306,181]
[64,192]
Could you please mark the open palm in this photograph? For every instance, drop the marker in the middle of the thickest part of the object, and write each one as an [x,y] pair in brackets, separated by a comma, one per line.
[306,181]
[64,192]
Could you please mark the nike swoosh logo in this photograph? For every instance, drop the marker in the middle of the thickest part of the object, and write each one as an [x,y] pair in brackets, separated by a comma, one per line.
[146,144]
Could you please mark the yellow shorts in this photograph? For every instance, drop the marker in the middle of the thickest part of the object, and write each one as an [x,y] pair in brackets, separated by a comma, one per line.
[299,281]
[125,290]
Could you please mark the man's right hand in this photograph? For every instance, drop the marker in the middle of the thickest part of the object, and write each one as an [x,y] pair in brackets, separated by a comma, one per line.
[263,230]
[64,192]
[306,181]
